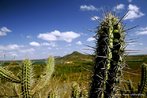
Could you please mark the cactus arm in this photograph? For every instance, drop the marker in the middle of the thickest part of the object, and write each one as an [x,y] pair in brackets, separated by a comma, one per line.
[42,81]
[6,74]
[25,82]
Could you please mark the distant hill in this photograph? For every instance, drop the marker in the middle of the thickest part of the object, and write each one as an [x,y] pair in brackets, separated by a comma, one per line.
[74,57]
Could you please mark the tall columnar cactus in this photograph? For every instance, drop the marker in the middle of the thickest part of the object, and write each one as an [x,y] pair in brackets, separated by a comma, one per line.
[116,65]
[25,82]
[108,57]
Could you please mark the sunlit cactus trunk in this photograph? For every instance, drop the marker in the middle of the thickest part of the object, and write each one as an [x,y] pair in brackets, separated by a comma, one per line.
[117,60]
[108,57]
[26,71]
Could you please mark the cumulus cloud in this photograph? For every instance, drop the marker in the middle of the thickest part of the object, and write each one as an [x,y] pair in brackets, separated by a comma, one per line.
[119,7]
[57,35]
[13,54]
[134,12]
[48,44]
[10,47]
[88,8]
[90,39]
[4,31]
[27,50]
[93,18]
[79,43]
[36,44]
[142,31]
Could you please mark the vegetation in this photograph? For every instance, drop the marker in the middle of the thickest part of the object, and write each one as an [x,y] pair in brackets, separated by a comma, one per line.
[66,74]
[29,87]
[71,74]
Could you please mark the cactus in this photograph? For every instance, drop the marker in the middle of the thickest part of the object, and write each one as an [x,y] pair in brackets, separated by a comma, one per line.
[142,88]
[44,79]
[141,91]
[27,89]
[52,94]
[25,82]
[76,91]
[108,57]
[116,65]
[6,74]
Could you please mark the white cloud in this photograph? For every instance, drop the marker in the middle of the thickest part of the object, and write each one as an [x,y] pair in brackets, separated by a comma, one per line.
[57,35]
[79,43]
[93,18]
[48,44]
[88,8]
[4,31]
[10,47]
[135,44]
[27,50]
[119,7]
[134,12]
[45,44]
[142,31]
[13,54]
[90,39]
[36,44]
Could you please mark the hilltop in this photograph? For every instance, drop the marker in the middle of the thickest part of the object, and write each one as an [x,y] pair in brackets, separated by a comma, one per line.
[74,57]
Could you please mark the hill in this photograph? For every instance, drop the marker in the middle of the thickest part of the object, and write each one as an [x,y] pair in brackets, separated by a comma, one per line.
[74,58]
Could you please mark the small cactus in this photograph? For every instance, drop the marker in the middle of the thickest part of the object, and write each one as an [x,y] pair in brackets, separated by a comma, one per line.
[6,74]
[25,82]
[27,89]
[44,79]
[76,91]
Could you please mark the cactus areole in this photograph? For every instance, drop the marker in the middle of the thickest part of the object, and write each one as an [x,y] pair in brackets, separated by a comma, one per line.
[108,57]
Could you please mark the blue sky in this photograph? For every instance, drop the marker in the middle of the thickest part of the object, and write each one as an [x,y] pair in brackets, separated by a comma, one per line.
[39,28]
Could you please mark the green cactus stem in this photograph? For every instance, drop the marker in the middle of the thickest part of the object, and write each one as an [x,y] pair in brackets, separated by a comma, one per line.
[116,65]
[76,91]
[25,82]
[6,74]
[108,57]
[44,79]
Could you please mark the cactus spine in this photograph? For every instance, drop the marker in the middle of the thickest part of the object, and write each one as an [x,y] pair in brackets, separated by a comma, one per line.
[26,71]
[108,57]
